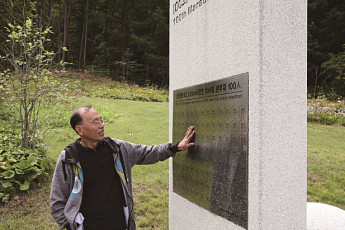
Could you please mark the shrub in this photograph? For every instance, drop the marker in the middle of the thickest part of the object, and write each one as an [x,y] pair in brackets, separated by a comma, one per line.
[326,112]
[19,166]
[105,88]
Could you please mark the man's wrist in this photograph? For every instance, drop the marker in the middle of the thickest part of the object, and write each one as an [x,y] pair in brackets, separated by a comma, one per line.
[174,147]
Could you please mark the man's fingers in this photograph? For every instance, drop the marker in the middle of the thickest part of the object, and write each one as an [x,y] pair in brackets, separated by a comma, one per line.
[190,144]
[191,134]
[185,143]
[190,131]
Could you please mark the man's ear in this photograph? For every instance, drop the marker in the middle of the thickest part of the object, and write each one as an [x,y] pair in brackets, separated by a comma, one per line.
[78,129]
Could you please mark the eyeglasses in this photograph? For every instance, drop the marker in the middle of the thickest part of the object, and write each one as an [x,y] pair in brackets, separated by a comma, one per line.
[96,123]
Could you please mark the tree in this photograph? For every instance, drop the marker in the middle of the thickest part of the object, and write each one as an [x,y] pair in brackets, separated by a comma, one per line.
[150,40]
[83,40]
[29,81]
[67,12]
[334,69]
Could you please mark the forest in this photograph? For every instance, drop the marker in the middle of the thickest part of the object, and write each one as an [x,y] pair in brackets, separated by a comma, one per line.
[130,38]
[326,49]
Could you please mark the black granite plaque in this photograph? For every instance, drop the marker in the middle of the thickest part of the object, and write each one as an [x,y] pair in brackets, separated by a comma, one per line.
[214,173]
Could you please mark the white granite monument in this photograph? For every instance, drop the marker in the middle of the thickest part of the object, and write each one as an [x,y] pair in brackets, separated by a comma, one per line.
[266,42]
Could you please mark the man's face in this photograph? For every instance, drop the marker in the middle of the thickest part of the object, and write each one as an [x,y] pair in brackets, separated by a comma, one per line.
[91,128]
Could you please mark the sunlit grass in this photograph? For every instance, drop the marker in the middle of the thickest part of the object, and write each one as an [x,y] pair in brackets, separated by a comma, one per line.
[326,164]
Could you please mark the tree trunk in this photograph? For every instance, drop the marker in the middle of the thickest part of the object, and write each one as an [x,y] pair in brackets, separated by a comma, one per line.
[106,34]
[65,27]
[125,38]
[147,75]
[81,46]
[85,36]
[50,14]
[24,115]
[316,78]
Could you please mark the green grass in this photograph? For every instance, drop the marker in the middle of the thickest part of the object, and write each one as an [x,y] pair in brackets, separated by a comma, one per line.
[326,164]
[147,123]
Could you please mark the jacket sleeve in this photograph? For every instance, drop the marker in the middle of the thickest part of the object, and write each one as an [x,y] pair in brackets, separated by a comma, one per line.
[60,191]
[142,154]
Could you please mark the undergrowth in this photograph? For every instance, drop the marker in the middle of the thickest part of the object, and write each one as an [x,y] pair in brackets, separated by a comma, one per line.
[326,112]
[93,85]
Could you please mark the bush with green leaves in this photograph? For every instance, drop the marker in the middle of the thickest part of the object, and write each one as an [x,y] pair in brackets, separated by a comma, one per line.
[30,82]
[19,166]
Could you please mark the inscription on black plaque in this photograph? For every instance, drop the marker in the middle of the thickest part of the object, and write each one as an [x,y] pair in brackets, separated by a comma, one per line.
[214,173]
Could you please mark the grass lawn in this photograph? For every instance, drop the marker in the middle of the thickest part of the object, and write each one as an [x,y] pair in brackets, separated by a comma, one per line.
[147,123]
[326,164]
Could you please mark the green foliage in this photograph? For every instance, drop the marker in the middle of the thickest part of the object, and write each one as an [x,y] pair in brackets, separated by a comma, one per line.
[106,88]
[130,38]
[138,94]
[334,69]
[142,27]
[326,112]
[326,34]
[150,39]
[19,166]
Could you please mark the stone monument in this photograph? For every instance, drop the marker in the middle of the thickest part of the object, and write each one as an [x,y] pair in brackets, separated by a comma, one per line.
[238,74]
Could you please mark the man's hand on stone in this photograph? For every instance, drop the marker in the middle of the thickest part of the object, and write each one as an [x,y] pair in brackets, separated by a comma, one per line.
[186,142]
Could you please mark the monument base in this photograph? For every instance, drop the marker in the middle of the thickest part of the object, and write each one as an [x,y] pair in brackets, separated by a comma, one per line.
[324,217]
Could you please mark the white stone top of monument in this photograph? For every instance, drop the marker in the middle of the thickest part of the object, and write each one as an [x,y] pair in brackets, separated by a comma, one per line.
[324,217]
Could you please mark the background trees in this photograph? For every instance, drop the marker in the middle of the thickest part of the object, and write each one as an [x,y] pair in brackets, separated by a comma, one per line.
[326,40]
[128,37]
[131,38]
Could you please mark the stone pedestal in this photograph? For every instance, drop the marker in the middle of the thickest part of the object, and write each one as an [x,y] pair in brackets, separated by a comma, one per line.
[324,217]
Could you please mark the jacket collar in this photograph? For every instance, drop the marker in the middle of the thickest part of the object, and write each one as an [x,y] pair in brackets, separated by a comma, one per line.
[71,151]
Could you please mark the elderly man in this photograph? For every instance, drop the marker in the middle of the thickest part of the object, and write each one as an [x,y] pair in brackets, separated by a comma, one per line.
[92,185]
